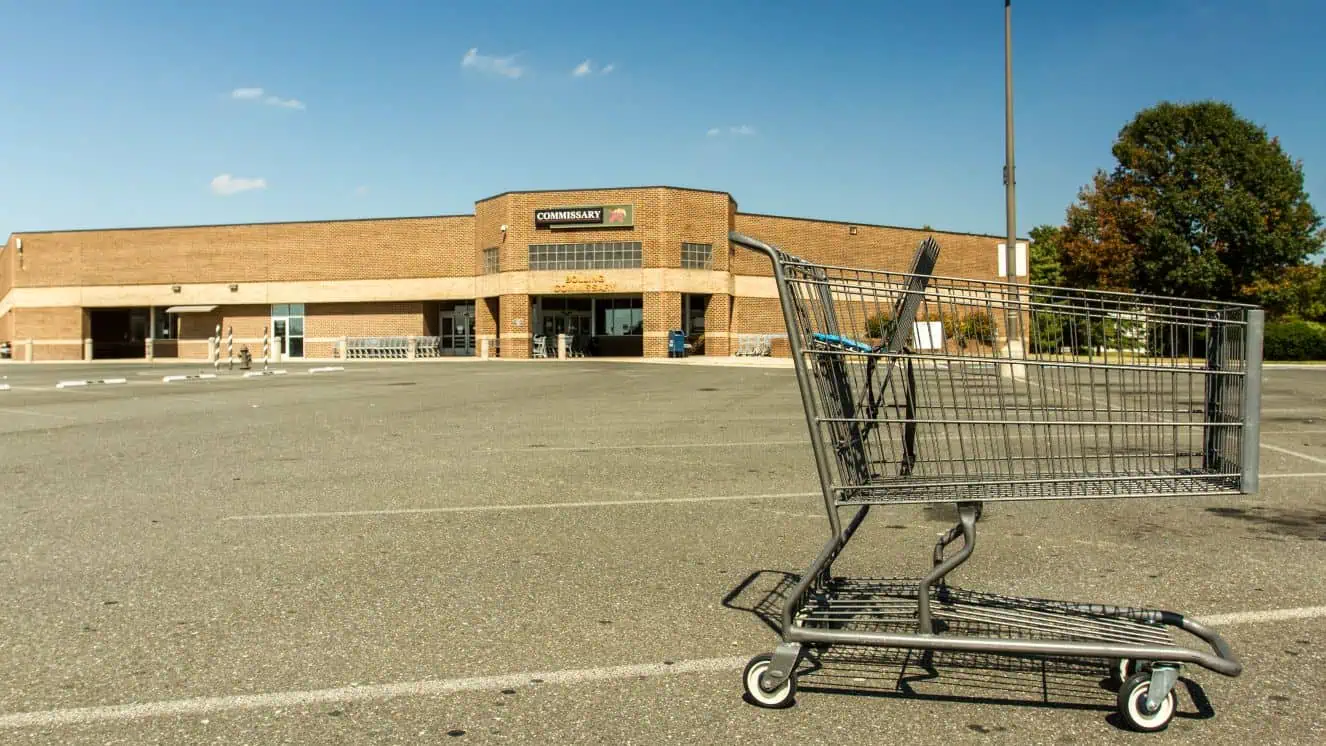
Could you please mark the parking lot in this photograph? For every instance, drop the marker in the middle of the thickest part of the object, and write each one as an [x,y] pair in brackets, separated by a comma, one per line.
[566,552]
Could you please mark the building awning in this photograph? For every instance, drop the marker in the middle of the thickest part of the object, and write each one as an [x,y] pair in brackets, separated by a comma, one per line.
[190,309]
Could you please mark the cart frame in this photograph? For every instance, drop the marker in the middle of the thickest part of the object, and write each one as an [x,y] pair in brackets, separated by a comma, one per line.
[820,606]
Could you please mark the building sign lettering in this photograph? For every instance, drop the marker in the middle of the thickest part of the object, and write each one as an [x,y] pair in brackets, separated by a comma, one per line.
[593,216]
[583,284]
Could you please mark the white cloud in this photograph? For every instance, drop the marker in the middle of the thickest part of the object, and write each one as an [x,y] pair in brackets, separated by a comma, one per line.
[361,190]
[225,184]
[587,68]
[504,66]
[739,129]
[255,94]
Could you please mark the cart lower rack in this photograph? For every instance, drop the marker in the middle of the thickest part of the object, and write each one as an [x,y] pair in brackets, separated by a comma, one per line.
[920,388]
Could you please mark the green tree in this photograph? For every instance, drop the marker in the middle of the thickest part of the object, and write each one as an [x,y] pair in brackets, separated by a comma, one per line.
[1298,293]
[1201,203]
[1045,256]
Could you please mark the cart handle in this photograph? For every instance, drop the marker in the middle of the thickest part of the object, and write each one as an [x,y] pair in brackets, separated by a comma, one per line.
[777,255]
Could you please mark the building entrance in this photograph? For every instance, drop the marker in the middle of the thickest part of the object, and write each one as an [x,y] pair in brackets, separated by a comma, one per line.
[457,327]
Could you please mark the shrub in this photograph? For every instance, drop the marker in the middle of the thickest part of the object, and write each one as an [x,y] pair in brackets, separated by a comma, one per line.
[1294,340]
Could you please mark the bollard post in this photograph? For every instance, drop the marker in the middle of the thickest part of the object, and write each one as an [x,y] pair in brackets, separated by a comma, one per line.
[561,346]
[264,348]
[230,347]
[483,349]
[216,358]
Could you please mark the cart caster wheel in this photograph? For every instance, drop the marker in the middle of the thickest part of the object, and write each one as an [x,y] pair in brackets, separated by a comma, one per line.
[780,697]
[1132,705]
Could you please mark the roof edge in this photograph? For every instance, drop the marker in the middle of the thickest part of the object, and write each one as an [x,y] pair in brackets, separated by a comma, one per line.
[878,225]
[607,189]
[240,225]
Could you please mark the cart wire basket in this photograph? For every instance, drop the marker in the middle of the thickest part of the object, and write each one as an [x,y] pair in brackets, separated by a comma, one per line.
[920,388]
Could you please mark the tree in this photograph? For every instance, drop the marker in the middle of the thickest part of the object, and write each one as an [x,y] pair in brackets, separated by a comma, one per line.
[1298,293]
[1201,203]
[1045,256]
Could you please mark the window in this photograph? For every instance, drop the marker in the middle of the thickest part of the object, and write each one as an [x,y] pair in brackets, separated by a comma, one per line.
[619,317]
[603,255]
[697,256]
[491,261]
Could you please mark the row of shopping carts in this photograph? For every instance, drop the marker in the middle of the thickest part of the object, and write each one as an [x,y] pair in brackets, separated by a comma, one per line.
[1022,393]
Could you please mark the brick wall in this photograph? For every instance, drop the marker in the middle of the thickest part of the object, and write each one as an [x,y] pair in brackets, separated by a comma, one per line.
[514,325]
[873,247]
[717,324]
[364,320]
[51,323]
[323,251]
[662,312]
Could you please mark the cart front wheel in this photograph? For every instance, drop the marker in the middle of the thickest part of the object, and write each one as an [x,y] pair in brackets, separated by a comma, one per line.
[1132,705]
[778,698]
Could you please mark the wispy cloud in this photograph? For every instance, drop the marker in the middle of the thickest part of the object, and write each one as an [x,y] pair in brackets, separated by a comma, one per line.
[737,129]
[504,66]
[226,185]
[256,95]
[587,68]
[361,190]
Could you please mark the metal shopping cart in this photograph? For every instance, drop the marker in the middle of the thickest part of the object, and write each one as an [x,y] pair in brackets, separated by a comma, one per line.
[922,389]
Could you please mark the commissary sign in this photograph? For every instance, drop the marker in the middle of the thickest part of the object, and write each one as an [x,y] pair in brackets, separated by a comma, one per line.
[597,216]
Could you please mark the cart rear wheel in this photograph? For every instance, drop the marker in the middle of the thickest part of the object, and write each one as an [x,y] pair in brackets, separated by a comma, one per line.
[1124,668]
[1132,705]
[778,698]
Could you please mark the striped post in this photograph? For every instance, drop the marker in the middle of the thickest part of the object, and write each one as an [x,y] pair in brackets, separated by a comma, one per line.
[230,347]
[264,348]
[216,361]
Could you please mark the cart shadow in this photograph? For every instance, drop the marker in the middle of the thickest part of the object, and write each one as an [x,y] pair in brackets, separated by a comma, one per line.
[946,676]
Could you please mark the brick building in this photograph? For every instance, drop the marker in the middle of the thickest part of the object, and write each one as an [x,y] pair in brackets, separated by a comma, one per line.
[619,268]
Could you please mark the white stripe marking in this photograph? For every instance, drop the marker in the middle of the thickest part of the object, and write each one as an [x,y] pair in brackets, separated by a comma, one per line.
[524,506]
[4,387]
[36,414]
[647,446]
[1271,615]
[204,705]
[330,369]
[1296,475]
[1313,459]
[438,687]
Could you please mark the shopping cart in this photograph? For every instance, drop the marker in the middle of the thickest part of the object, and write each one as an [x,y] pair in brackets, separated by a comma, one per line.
[922,389]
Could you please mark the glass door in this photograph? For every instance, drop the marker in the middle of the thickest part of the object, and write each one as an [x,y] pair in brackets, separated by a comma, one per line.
[457,327]
[288,330]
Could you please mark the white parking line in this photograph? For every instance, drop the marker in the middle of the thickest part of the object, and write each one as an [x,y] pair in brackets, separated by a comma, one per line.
[439,687]
[517,506]
[650,446]
[30,413]
[1296,454]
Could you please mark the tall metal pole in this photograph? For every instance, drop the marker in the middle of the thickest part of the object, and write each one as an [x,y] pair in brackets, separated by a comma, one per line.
[1010,178]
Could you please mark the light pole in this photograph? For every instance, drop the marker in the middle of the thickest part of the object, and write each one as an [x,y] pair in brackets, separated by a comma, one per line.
[1010,178]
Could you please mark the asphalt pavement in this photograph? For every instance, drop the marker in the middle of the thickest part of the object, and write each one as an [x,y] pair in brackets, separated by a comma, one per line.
[567,552]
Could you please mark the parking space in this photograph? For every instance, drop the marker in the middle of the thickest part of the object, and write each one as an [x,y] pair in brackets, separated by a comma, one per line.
[566,552]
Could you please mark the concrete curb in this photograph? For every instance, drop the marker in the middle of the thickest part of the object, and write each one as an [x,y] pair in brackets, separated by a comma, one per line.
[260,373]
[71,384]
[200,376]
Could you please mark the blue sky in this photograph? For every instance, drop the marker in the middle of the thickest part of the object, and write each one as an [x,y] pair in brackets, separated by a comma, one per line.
[123,113]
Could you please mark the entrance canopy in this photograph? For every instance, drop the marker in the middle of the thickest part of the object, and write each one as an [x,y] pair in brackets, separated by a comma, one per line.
[190,309]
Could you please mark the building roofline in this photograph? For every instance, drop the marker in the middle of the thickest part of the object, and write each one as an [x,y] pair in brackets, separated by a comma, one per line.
[240,225]
[609,189]
[877,225]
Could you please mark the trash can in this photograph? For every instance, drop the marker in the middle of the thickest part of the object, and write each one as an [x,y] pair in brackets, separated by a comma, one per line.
[676,343]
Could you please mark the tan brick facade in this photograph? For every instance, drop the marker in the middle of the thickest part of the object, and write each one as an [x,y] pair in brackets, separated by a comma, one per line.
[390,277]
